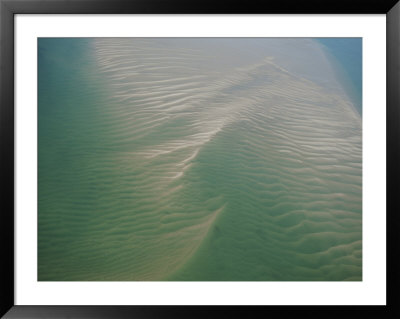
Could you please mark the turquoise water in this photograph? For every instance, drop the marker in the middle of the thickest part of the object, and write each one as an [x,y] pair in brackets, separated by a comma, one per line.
[348,52]
[196,160]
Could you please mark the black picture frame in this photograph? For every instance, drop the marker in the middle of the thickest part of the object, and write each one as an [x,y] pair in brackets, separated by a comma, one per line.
[8,8]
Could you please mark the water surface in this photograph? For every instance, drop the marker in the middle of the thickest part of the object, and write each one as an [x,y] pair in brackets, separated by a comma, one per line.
[197,159]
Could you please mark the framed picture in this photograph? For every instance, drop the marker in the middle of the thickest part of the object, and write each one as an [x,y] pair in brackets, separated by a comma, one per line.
[167,159]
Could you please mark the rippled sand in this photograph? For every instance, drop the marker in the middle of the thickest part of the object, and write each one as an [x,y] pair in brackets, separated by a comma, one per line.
[196,159]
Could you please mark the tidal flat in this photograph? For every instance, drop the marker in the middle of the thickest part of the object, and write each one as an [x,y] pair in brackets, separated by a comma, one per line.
[199,159]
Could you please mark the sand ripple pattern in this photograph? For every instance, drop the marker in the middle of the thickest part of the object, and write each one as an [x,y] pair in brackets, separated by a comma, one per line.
[197,165]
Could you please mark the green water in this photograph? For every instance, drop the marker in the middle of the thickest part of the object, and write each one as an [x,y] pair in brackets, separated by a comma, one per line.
[196,160]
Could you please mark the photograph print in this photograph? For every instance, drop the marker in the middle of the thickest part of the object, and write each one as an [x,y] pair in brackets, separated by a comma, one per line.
[199,159]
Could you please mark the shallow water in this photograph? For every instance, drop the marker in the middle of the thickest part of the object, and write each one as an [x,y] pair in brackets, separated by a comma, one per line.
[196,159]
[347,52]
